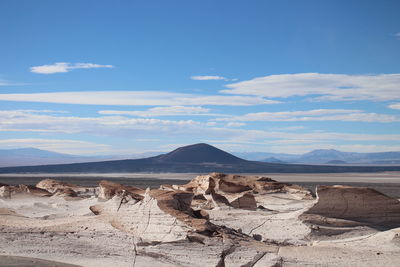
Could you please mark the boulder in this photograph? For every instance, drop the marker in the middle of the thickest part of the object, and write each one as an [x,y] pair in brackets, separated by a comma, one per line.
[353,204]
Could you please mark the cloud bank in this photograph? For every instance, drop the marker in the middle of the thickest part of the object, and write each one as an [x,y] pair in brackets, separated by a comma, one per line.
[315,115]
[137,98]
[327,87]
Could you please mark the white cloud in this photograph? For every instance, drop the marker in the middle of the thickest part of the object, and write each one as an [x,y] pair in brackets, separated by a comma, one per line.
[338,87]
[162,111]
[207,77]
[315,115]
[395,106]
[397,35]
[137,98]
[57,145]
[60,67]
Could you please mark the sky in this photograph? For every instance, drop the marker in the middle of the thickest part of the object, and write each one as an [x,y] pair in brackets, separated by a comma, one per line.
[123,77]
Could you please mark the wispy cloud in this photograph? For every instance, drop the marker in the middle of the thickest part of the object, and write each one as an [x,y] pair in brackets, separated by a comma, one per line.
[331,87]
[18,120]
[4,83]
[394,106]
[137,98]
[397,35]
[162,111]
[9,83]
[207,77]
[60,67]
[315,115]
[235,124]
[211,77]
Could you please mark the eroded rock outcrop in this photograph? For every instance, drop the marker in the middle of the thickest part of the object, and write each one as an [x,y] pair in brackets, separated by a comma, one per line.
[8,191]
[5,191]
[237,191]
[353,204]
[161,216]
[109,189]
[65,189]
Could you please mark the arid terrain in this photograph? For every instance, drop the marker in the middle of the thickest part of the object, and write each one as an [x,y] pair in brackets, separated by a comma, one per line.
[213,220]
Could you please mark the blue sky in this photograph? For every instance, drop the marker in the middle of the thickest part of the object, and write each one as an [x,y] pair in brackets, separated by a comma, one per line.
[121,77]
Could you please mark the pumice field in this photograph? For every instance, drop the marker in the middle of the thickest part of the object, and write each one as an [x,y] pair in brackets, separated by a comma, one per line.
[214,220]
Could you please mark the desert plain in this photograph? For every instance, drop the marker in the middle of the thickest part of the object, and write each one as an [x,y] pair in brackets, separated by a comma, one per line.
[212,220]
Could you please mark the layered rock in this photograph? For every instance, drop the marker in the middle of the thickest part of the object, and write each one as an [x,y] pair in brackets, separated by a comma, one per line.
[7,191]
[109,189]
[161,216]
[65,189]
[353,204]
[236,190]
[229,183]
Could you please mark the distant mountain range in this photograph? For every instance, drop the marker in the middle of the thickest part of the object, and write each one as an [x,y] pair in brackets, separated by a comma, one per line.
[34,156]
[201,158]
[327,156]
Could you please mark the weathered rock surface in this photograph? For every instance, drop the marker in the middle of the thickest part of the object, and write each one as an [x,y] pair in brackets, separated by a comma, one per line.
[168,227]
[7,191]
[109,189]
[236,191]
[65,189]
[349,205]
[161,216]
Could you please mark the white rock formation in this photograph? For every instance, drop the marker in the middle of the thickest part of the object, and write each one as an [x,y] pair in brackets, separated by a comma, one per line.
[161,216]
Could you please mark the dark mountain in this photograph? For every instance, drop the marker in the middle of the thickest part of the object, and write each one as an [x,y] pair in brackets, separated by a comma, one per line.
[200,158]
[199,153]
